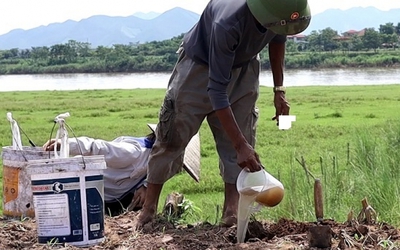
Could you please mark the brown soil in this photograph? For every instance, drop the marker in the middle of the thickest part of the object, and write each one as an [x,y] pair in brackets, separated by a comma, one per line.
[160,234]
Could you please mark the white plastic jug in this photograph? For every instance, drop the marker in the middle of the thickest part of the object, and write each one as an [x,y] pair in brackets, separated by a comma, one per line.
[255,187]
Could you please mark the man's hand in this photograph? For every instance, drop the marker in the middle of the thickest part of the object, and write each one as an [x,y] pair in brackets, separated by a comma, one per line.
[50,144]
[282,106]
[138,199]
[248,158]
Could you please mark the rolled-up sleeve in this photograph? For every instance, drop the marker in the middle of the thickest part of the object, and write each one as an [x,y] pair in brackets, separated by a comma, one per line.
[221,58]
[116,154]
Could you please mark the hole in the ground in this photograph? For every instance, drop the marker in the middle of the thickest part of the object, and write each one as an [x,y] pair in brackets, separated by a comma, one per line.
[263,231]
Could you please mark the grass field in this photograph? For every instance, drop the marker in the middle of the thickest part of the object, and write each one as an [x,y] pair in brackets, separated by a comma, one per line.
[348,136]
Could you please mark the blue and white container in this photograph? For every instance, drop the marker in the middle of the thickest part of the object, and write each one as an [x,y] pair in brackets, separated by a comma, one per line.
[68,197]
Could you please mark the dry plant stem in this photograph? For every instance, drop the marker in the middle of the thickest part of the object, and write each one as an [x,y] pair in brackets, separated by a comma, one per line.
[303,164]
[367,213]
[346,241]
[350,218]
[171,206]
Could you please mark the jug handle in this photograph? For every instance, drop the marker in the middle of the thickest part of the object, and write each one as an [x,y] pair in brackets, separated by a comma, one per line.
[256,208]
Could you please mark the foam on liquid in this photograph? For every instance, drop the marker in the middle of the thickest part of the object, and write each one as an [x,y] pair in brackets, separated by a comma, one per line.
[250,191]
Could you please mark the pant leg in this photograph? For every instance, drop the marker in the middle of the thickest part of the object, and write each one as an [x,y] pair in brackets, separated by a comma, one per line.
[185,106]
[243,93]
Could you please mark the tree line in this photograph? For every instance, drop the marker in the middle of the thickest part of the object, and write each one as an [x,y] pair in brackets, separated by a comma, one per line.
[324,48]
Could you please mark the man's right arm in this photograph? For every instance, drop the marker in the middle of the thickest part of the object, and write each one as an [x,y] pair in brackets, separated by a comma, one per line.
[222,54]
[246,155]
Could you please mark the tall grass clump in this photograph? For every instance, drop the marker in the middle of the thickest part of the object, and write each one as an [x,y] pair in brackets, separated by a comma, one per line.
[376,165]
[367,167]
[338,189]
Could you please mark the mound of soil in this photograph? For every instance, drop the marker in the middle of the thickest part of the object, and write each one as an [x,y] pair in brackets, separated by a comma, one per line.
[161,234]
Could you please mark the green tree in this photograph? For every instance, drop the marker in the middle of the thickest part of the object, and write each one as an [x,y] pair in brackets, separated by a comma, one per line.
[71,49]
[327,39]
[10,54]
[62,54]
[389,41]
[25,53]
[169,58]
[397,29]
[314,41]
[101,52]
[122,49]
[387,29]
[40,53]
[291,46]
[371,39]
[344,45]
[76,49]
[356,43]
[83,49]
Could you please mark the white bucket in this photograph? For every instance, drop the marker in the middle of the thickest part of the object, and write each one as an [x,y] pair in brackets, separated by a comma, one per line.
[68,197]
[17,194]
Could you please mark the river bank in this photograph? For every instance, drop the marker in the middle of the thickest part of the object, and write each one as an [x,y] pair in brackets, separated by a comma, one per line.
[165,63]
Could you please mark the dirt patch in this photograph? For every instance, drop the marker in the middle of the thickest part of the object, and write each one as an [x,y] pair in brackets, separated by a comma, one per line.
[160,234]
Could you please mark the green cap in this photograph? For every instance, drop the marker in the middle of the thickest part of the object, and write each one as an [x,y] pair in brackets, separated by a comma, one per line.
[284,17]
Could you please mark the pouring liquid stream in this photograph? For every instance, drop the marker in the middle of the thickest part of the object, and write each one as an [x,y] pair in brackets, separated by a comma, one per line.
[247,197]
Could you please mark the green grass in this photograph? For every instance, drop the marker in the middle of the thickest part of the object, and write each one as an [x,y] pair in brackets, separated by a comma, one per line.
[336,129]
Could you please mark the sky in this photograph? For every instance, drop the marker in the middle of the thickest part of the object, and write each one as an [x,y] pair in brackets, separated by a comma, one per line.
[28,14]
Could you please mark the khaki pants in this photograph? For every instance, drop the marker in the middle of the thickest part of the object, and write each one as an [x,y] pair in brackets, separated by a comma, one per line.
[185,107]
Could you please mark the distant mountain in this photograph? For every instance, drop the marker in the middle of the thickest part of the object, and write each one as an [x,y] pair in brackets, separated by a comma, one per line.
[146,27]
[104,30]
[352,19]
[147,16]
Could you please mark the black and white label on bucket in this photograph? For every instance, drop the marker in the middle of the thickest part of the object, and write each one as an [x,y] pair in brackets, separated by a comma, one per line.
[52,214]
[95,227]
[77,232]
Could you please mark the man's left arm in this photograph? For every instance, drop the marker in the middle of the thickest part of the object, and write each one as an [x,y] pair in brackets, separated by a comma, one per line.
[277,60]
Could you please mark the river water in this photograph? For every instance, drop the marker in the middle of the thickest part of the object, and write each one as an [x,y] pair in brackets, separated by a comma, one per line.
[320,77]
